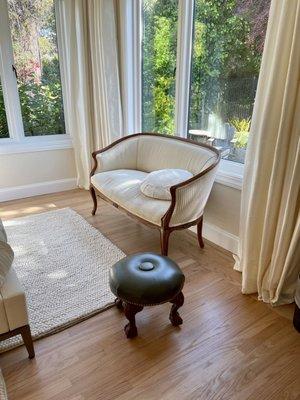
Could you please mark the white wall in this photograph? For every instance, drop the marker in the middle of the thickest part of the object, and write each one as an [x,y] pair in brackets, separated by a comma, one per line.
[223,208]
[40,171]
[221,217]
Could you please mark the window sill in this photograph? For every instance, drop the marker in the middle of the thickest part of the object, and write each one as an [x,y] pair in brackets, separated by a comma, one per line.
[34,144]
[230,174]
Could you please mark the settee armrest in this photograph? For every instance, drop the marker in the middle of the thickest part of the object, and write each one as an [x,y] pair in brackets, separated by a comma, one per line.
[121,154]
[189,198]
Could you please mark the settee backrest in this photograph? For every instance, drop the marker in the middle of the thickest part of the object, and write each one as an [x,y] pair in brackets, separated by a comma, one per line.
[160,152]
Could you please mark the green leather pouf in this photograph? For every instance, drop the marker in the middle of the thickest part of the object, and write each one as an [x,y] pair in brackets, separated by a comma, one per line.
[146,279]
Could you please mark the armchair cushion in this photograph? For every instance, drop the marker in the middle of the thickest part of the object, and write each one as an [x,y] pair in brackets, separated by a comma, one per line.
[157,184]
[6,259]
[122,187]
[14,301]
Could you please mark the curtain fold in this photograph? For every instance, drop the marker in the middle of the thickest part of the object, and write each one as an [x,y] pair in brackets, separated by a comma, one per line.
[269,255]
[87,42]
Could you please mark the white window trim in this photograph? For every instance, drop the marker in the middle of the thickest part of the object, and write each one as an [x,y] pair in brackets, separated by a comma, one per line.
[230,174]
[18,142]
[33,144]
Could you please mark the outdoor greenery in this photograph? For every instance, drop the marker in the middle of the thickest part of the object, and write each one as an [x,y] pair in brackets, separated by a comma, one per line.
[227,49]
[242,130]
[3,121]
[33,32]
[159,64]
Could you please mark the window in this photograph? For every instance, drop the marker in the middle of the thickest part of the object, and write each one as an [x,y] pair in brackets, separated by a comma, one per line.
[217,70]
[159,65]
[33,34]
[29,67]
[3,120]
[226,56]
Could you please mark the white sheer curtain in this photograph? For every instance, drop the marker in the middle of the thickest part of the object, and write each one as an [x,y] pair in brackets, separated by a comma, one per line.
[269,253]
[89,66]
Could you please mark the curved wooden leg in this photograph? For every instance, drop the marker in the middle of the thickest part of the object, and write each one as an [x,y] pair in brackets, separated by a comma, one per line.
[174,315]
[164,241]
[94,197]
[199,233]
[130,310]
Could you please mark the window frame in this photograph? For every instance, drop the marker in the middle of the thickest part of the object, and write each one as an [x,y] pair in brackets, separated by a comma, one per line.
[17,141]
[230,173]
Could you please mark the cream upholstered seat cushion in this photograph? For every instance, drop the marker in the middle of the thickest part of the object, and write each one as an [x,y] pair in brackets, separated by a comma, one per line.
[157,183]
[122,186]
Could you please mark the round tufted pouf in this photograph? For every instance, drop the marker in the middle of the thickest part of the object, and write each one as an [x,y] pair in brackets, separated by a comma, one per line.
[146,279]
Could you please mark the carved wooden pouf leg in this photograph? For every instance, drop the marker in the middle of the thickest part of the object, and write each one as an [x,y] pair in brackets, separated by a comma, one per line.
[130,310]
[177,302]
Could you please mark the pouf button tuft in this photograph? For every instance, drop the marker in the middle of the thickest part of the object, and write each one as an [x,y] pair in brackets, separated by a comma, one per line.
[146,266]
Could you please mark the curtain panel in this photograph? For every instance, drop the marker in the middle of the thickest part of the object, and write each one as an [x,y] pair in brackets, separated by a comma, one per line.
[269,249]
[87,39]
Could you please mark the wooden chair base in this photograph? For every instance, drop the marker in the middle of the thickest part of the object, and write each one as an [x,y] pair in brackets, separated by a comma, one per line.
[25,332]
[131,310]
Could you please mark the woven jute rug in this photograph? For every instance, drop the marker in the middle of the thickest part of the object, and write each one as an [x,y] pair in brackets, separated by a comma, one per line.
[3,394]
[63,264]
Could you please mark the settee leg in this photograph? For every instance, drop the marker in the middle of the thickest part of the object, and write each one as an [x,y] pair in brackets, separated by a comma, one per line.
[164,241]
[27,339]
[94,197]
[199,233]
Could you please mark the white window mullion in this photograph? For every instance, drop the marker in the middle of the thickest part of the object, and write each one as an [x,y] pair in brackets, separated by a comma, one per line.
[183,65]
[8,78]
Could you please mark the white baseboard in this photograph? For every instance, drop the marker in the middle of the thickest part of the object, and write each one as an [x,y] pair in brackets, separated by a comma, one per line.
[36,189]
[220,237]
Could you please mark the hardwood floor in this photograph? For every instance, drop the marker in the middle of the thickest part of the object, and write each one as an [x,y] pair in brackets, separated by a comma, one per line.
[230,346]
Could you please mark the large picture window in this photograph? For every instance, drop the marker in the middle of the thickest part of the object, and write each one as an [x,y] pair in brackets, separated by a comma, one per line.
[159,65]
[30,70]
[218,77]
[33,33]
[227,49]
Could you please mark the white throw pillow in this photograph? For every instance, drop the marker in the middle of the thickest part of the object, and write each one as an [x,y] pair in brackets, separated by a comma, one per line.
[6,259]
[157,184]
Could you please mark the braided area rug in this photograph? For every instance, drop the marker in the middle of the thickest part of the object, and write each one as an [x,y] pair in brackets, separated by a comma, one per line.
[62,263]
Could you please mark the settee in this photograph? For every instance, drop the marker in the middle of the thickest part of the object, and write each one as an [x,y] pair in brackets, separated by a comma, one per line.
[120,168]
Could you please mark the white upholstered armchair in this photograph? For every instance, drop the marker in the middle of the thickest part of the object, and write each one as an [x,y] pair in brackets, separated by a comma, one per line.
[121,167]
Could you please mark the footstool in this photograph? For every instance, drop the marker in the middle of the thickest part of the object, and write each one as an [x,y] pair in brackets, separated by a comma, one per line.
[146,279]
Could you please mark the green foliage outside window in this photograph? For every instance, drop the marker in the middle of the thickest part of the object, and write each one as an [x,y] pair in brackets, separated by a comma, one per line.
[226,57]
[159,63]
[3,121]
[33,33]
[242,130]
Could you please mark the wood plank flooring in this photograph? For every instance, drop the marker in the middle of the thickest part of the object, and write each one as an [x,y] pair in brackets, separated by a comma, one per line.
[230,346]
